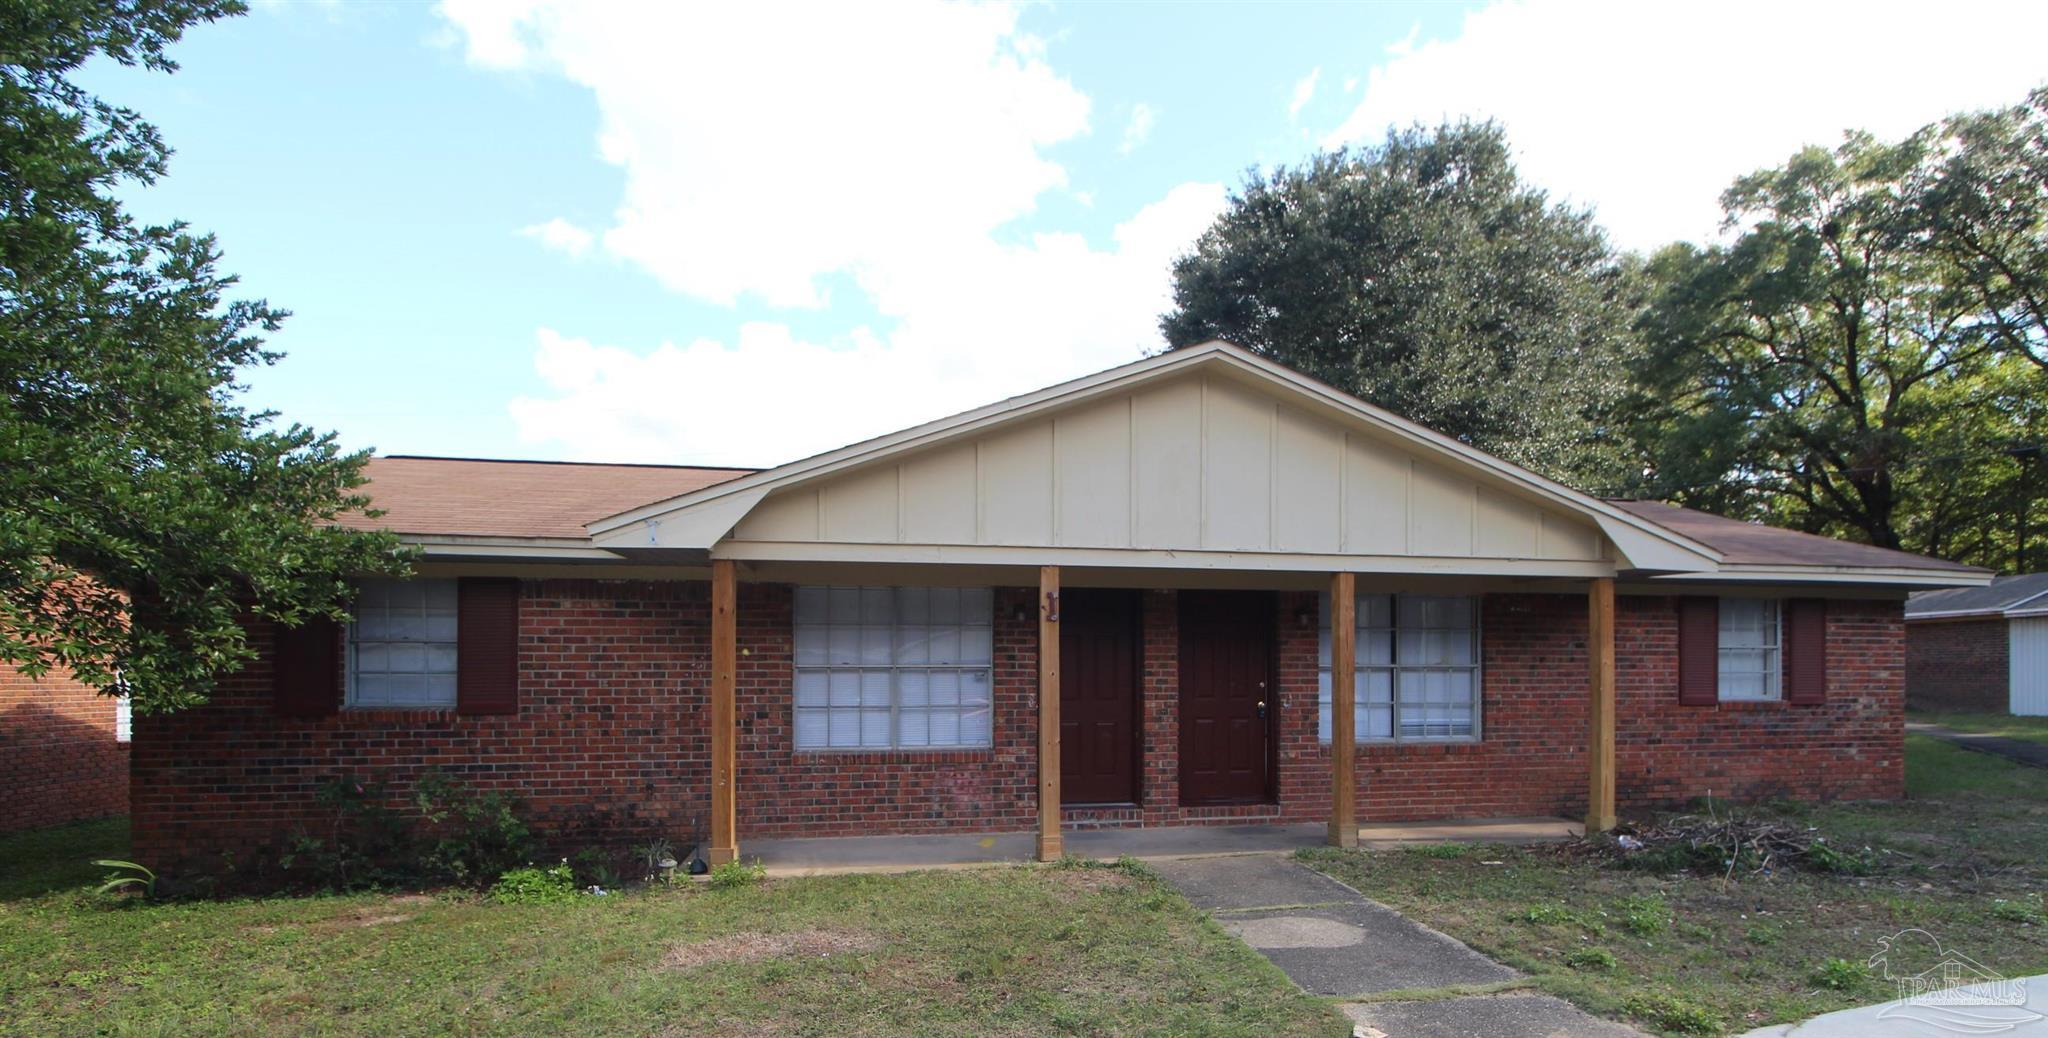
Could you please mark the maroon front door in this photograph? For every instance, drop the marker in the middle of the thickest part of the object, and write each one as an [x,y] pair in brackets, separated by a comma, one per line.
[1099,660]
[1226,671]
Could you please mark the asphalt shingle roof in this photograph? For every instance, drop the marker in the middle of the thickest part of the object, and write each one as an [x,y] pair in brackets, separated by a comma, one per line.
[1996,597]
[482,498]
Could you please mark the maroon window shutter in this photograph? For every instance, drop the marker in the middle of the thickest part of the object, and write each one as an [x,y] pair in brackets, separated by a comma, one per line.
[487,646]
[305,669]
[1806,651]
[1699,650]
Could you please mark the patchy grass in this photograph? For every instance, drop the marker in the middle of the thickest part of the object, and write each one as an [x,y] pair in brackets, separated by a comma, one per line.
[1965,858]
[1013,951]
[2032,729]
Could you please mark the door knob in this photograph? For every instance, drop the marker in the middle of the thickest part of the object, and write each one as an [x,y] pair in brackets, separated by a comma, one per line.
[1262,709]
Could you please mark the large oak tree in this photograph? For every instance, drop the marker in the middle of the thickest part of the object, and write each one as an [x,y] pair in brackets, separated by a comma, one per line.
[143,508]
[1425,276]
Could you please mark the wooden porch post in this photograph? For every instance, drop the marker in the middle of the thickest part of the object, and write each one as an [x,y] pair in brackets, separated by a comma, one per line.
[1343,722]
[724,712]
[1600,705]
[1049,842]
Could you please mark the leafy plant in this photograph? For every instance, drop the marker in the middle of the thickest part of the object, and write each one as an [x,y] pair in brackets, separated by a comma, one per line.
[1442,851]
[136,877]
[1764,934]
[1545,915]
[532,885]
[1675,1014]
[472,835]
[734,874]
[658,858]
[1645,915]
[2017,912]
[1592,959]
[1840,974]
[594,867]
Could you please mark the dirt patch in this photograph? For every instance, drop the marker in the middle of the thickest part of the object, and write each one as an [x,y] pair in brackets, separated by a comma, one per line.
[359,919]
[752,946]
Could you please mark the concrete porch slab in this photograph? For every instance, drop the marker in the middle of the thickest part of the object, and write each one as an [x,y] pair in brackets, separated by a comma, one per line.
[1469,830]
[817,856]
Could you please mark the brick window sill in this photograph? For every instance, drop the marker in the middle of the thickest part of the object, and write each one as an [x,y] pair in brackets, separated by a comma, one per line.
[845,757]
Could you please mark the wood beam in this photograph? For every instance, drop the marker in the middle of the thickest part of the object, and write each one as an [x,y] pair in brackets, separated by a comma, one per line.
[1343,709]
[1049,839]
[724,712]
[1600,705]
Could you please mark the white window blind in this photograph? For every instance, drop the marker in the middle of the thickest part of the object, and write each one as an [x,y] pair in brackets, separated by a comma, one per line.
[1749,664]
[1417,674]
[894,668]
[401,645]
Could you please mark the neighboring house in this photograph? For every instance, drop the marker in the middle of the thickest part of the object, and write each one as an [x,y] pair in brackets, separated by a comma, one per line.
[63,751]
[857,642]
[1980,649]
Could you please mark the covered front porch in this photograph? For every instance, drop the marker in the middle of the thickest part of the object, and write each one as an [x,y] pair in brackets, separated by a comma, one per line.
[1188,715]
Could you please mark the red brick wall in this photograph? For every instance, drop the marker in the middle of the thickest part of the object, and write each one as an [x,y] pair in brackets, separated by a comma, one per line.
[610,742]
[1959,665]
[59,759]
[607,745]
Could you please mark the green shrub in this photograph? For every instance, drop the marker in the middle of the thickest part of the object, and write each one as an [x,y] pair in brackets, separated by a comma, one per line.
[471,837]
[362,843]
[1545,915]
[734,874]
[1645,915]
[1592,959]
[535,886]
[1672,1013]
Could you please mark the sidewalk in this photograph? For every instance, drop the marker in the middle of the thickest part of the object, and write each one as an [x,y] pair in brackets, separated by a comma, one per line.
[1899,1020]
[2021,751]
[1397,978]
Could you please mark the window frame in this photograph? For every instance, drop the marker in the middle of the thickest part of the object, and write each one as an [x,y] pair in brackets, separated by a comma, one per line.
[1393,669]
[351,672]
[895,669]
[1773,651]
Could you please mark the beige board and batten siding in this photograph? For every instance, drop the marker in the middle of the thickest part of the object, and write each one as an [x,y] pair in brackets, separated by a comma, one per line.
[1199,463]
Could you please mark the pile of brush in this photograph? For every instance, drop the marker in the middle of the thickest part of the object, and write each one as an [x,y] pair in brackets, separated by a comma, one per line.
[1731,845]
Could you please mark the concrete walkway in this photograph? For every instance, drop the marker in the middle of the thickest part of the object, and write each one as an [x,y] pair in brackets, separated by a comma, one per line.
[1391,972]
[2022,751]
[1903,1020]
[828,855]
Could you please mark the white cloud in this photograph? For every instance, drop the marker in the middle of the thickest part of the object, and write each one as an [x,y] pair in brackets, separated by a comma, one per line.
[1139,128]
[896,146]
[1649,111]
[989,322]
[561,235]
[1304,92]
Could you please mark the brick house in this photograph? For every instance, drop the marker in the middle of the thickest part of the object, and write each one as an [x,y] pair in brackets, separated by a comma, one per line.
[1116,601]
[1980,649]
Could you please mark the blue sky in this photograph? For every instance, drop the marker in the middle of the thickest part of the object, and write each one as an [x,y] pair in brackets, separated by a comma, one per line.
[523,228]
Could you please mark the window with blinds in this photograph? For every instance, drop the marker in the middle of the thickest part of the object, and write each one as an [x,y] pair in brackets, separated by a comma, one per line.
[894,668]
[1748,649]
[1417,674]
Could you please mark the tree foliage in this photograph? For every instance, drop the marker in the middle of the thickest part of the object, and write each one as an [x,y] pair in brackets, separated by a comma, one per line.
[1847,364]
[1423,275]
[143,508]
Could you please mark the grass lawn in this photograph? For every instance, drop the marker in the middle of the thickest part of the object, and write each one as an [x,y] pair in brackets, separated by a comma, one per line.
[2032,729]
[1964,858]
[1011,951]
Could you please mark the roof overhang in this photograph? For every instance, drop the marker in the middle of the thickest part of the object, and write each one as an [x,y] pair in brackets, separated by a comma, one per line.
[700,520]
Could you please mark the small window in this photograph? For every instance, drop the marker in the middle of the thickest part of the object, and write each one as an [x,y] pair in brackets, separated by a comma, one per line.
[401,645]
[1417,674]
[894,668]
[1749,640]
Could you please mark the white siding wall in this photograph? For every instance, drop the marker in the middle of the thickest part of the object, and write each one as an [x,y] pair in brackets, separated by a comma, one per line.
[2029,663]
[1198,463]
